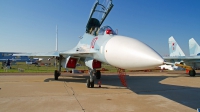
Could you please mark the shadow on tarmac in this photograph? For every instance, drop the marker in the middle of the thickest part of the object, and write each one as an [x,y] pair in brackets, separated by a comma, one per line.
[148,85]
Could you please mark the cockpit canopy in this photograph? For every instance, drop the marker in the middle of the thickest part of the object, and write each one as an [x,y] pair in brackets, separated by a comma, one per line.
[106,30]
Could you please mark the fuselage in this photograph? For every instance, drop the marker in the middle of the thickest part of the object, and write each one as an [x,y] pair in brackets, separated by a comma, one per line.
[121,51]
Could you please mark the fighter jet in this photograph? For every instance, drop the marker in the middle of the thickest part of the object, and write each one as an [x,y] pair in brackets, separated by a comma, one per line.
[178,58]
[194,48]
[103,45]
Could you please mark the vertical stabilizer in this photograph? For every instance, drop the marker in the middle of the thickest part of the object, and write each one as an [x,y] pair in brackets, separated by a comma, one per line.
[174,49]
[194,48]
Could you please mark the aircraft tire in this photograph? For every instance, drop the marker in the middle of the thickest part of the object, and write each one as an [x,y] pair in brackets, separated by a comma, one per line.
[88,83]
[192,73]
[98,74]
[92,84]
[56,75]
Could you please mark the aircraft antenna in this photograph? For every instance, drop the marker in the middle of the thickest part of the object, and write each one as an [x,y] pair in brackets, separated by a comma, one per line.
[56,38]
[56,44]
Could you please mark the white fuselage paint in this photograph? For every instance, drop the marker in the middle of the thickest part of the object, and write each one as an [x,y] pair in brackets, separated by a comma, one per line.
[129,53]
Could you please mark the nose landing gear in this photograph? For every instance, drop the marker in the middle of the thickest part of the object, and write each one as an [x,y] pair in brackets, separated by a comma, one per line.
[90,82]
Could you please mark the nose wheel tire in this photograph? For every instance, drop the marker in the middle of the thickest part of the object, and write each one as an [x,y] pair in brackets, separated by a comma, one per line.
[98,74]
[192,73]
[89,84]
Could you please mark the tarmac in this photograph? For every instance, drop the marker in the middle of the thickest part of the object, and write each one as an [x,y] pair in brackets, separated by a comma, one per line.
[146,91]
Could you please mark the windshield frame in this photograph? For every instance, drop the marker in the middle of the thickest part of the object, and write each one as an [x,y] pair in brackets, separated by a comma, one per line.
[104,28]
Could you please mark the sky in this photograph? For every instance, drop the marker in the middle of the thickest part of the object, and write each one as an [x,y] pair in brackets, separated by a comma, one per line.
[30,25]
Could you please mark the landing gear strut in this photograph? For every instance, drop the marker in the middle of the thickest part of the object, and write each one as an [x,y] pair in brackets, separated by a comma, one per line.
[192,73]
[56,74]
[90,82]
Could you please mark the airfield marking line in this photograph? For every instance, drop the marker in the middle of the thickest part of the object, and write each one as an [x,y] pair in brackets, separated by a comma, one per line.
[66,85]
[66,88]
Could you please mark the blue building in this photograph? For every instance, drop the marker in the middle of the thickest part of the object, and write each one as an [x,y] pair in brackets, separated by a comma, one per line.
[7,57]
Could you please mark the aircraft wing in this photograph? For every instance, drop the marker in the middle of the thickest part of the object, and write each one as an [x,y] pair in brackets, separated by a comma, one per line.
[183,58]
[78,51]
[73,52]
[53,53]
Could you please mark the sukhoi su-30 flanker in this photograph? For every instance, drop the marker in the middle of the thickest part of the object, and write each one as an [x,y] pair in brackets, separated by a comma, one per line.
[178,59]
[99,45]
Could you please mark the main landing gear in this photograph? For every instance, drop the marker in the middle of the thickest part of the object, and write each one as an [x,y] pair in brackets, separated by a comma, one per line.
[90,82]
[192,73]
[56,74]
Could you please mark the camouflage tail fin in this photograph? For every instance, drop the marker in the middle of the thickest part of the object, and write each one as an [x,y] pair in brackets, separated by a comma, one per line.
[194,48]
[174,49]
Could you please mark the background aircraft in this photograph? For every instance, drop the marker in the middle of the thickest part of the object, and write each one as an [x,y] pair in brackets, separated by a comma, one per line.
[174,48]
[194,48]
[174,51]
[166,67]
[179,59]
[99,45]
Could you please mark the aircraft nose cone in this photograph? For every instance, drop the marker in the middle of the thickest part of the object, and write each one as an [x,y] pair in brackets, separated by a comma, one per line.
[151,58]
[129,53]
